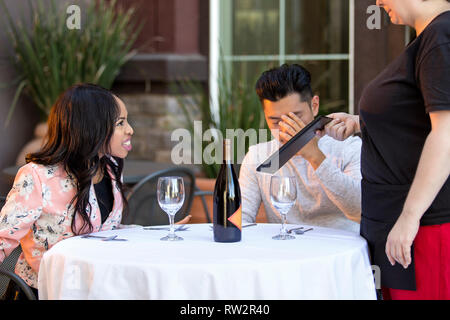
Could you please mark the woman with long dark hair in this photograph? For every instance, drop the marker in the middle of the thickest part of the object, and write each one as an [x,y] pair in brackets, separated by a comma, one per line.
[73,184]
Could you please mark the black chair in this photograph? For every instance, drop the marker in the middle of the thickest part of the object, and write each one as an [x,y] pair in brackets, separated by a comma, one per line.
[7,270]
[143,203]
[202,194]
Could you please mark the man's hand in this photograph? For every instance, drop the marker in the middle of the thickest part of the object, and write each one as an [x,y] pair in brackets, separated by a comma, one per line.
[289,127]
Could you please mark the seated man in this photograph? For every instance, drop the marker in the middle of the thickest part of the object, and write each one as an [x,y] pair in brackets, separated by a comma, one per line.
[327,171]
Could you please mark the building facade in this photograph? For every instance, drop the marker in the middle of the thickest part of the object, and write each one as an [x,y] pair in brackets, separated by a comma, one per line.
[188,39]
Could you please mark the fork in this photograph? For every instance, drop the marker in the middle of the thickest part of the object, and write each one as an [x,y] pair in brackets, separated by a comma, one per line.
[91,236]
[302,231]
[112,238]
[180,228]
[109,238]
[294,229]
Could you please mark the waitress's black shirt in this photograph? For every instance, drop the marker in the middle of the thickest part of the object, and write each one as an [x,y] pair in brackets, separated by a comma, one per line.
[395,122]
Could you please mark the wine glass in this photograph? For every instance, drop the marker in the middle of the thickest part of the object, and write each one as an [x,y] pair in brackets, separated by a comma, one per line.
[283,193]
[170,194]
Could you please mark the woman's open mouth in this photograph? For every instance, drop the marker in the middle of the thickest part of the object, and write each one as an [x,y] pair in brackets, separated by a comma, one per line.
[127,145]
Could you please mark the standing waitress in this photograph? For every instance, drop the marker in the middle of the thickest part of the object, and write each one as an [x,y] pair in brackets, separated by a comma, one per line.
[405,161]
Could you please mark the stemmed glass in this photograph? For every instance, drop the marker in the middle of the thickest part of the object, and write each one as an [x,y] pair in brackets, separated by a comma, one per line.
[170,194]
[283,193]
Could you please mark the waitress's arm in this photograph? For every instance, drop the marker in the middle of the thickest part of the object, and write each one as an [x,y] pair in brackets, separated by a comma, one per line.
[432,172]
[434,166]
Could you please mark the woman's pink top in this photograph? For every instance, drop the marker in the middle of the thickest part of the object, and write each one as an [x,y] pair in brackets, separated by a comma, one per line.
[37,215]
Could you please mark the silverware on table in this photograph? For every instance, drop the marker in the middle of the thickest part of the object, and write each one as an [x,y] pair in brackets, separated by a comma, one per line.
[249,225]
[111,238]
[302,231]
[294,229]
[244,226]
[180,228]
[91,236]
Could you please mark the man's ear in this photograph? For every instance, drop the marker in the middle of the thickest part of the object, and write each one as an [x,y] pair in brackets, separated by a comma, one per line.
[315,103]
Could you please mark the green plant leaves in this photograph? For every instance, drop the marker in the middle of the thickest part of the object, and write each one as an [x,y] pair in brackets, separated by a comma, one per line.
[239,108]
[50,57]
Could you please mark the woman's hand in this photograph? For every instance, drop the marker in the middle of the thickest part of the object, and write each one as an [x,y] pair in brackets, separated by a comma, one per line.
[343,126]
[400,240]
[185,220]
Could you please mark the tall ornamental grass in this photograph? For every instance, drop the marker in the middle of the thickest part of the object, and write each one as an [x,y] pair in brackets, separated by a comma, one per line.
[50,57]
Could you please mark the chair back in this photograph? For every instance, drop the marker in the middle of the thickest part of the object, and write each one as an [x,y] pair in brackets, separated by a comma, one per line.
[143,203]
[8,265]
[10,262]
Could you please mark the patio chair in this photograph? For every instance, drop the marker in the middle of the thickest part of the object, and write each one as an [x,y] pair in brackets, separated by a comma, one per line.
[143,203]
[202,194]
[7,270]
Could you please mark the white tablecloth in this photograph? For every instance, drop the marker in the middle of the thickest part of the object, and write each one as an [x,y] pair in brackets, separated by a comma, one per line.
[321,264]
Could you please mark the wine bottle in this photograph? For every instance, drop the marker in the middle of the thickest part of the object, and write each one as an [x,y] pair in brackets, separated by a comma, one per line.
[227,214]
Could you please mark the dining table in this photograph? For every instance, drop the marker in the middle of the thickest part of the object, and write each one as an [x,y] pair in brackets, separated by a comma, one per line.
[135,264]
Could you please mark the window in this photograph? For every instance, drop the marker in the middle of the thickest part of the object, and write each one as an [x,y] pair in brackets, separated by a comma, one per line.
[256,35]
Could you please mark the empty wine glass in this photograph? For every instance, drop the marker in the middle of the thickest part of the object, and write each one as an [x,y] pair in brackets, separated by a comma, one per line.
[170,194]
[283,193]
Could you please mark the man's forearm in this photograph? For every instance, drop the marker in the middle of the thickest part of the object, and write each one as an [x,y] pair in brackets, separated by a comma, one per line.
[250,207]
[341,188]
[316,160]
[250,193]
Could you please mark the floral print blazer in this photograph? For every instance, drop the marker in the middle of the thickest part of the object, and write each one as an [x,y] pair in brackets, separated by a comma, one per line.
[36,215]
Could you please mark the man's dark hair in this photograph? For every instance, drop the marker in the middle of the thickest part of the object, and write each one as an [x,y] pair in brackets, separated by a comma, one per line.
[277,83]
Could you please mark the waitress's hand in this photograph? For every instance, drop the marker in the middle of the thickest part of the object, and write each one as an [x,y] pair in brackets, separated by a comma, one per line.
[400,240]
[341,127]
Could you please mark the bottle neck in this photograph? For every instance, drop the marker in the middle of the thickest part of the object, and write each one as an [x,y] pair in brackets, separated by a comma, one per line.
[227,158]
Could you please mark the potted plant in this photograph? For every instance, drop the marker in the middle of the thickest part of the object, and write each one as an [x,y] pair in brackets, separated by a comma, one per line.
[50,57]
